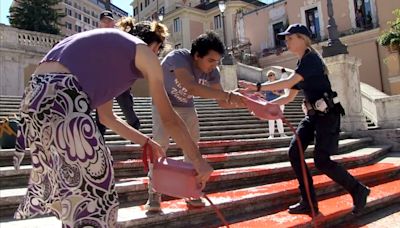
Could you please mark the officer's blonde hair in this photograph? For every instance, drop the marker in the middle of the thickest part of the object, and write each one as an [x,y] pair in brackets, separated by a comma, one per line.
[307,40]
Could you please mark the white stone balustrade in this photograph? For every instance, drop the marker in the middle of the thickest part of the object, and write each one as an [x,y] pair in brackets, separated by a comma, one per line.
[382,109]
[20,52]
[13,38]
[255,74]
[250,73]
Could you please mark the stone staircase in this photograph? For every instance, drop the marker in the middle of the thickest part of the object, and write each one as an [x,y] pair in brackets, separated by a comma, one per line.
[253,183]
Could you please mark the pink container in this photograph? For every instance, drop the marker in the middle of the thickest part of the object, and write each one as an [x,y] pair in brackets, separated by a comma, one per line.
[261,108]
[175,178]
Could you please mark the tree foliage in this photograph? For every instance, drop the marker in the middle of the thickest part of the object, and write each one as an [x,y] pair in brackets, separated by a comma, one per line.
[391,37]
[36,15]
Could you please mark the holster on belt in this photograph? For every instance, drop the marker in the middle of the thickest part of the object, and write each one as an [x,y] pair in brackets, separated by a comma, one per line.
[329,102]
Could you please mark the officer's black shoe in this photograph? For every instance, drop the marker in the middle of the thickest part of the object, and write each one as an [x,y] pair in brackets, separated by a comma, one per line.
[302,208]
[360,198]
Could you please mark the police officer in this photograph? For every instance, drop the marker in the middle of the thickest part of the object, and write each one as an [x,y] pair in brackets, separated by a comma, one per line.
[321,120]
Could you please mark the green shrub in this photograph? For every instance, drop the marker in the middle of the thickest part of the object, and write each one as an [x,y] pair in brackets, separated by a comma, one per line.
[391,37]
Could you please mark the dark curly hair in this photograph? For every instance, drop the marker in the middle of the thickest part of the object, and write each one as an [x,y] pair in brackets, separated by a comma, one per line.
[206,42]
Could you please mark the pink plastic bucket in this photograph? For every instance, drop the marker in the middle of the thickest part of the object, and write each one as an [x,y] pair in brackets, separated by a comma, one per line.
[175,178]
[261,108]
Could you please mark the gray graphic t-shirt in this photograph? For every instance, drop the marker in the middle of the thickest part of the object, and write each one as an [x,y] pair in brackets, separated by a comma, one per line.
[178,94]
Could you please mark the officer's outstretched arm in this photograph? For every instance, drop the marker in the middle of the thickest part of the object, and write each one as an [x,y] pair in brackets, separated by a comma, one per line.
[275,85]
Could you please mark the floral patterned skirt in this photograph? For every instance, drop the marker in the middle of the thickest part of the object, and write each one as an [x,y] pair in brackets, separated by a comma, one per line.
[72,174]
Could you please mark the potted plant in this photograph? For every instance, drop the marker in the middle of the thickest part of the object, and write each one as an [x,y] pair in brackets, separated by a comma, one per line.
[391,37]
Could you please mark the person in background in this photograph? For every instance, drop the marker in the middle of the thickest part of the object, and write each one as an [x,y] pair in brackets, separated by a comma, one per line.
[360,20]
[106,20]
[322,121]
[72,174]
[189,73]
[125,99]
[270,96]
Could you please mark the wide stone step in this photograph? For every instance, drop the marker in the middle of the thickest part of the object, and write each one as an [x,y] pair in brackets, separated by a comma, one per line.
[134,190]
[227,135]
[242,158]
[140,107]
[214,131]
[147,102]
[9,107]
[136,99]
[221,121]
[133,151]
[122,153]
[245,201]
[214,112]
[218,120]
[379,217]
[249,201]
[145,109]
[333,213]
[134,167]
[146,112]
[209,117]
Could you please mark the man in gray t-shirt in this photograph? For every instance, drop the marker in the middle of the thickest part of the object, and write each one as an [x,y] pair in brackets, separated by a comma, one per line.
[177,93]
[187,74]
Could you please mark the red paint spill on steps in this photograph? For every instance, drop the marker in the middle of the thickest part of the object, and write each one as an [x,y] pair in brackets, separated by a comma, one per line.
[280,188]
[330,209]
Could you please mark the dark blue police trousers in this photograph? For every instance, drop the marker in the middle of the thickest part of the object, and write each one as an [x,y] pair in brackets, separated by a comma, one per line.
[325,128]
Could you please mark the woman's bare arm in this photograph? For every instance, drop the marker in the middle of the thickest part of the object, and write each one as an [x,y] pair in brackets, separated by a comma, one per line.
[119,126]
[150,67]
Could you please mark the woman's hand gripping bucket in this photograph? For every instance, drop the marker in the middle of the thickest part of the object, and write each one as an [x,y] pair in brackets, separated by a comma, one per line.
[175,178]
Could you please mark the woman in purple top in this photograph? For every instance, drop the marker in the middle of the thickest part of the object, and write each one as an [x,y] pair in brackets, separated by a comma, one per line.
[72,175]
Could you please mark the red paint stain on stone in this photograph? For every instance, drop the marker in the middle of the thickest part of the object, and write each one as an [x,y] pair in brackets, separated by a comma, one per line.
[330,209]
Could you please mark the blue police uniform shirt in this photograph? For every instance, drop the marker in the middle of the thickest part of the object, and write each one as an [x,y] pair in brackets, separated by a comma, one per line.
[315,82]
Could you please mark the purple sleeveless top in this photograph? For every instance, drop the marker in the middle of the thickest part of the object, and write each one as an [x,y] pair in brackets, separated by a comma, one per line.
[103,60]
